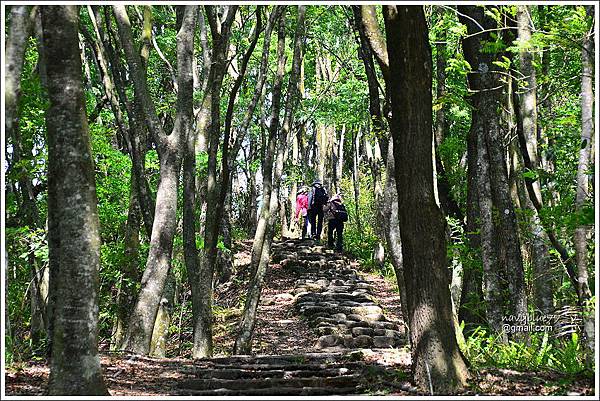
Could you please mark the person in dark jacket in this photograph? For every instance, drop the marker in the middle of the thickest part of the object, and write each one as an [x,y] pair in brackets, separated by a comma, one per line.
[317,198]
[336,215]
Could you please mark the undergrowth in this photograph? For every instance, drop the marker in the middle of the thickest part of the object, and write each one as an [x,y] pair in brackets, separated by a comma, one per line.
[542,353]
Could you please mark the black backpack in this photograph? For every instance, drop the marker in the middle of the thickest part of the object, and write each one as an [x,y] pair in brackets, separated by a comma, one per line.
[339,212]
[319,197]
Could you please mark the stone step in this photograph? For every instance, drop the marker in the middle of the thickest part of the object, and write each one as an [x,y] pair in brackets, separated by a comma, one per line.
[274,391]
[236,373]
[270,382]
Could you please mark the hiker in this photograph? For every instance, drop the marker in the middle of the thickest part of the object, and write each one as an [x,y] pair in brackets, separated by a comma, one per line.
[317,198]
[302,209]
[336,217]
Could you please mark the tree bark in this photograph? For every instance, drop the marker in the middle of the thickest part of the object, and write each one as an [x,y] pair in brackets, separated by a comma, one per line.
[392,229]
[370,27]
[269,150]
[75,248]
[129,275]
[243,341]
[366,54]
[438,364]
[583,176]
[203,343]
[21,18]
[143,317]
[134,134]
[498,220]
[528,131]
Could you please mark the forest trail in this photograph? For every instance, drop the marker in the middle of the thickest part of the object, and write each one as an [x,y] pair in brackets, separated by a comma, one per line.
[323,328]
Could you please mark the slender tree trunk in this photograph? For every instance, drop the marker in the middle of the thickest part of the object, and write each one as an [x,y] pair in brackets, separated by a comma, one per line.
[472,295]
[75,248]
[129,275]
[143,317]
[356,179]
[370,26]
[392,229]
[21,18]
[528,131]
[582,196]
[438,365]
[203,342]
[269,152]
[243,341]
[135,134]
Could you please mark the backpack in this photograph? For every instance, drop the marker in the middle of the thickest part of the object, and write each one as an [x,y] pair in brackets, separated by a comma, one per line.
[339,212]
[319,197]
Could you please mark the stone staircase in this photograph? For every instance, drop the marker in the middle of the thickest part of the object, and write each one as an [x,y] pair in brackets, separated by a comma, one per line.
[292,375]
[341,307]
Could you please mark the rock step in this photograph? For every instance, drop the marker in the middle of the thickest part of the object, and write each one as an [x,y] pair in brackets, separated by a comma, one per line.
[233,373]
[275,367]
[269,382]
[273,391]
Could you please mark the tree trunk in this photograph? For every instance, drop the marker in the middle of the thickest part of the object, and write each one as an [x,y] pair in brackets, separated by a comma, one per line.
[143,317]
[243,342]
[134,135]
[583,176]
[500,246]
[527,129]
[269,149]
[203,342]
[160,333]
[129,275]
[392,229]
[356,179]
[75,248]
[370,26]
[472,295]
[438,365]
[20,30]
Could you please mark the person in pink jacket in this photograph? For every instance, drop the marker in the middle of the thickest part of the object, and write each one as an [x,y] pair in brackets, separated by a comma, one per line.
[302,209]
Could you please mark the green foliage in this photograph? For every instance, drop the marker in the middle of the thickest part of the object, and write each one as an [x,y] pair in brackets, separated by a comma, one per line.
[359,232]
[543,353]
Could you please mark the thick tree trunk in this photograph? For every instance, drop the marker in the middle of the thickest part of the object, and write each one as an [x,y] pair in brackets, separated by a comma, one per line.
[75,249]
[497,216]
[143,317]
[438,365]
